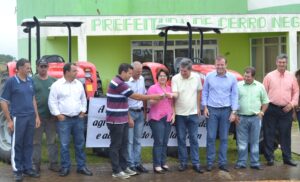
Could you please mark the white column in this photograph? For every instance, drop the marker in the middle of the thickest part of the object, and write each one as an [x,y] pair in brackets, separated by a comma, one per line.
[292,50]
[82,45]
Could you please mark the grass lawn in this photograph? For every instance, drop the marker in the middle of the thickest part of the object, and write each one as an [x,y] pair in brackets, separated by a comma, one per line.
[147,154]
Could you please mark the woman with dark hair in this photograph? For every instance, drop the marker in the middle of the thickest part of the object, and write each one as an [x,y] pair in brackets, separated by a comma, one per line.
[161,117]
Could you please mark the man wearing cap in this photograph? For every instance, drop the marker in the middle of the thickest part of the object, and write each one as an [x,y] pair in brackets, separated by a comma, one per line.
[43,82]
[19,107]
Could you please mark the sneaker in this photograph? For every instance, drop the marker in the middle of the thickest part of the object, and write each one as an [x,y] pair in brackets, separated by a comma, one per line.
[120,175]
[129,172]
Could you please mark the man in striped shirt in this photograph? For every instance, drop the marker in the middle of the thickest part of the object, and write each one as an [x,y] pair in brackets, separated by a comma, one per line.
[118,119]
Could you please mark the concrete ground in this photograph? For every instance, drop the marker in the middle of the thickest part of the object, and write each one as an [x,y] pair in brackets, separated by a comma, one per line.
[278,172]
[102,172]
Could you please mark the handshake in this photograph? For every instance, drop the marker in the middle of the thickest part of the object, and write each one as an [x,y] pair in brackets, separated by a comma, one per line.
[164,95]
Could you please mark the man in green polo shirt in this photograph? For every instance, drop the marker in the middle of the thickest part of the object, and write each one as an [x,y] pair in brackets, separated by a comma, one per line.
[253,102]
[43,82]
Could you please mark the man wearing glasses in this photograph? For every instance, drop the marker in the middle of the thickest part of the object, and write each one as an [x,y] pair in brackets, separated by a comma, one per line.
[43,82]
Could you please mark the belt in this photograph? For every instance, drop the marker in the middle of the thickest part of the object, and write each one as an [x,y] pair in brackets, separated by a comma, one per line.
[71,116]
[274,105]
[252,115]
[136,110]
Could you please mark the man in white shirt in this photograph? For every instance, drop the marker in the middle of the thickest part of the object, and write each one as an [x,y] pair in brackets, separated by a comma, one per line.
[67,101]
[137,111]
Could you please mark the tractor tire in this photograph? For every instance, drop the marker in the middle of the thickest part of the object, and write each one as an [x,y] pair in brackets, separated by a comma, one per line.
[5,137]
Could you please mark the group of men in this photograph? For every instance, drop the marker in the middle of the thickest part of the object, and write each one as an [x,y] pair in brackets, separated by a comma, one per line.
[38,104]
[224,100]
[58,106]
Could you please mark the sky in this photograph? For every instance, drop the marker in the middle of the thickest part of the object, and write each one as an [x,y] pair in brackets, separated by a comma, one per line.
[8,28]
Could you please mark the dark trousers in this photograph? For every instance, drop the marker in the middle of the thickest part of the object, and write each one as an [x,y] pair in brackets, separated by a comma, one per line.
[118,146]
[22,143]
[276,119]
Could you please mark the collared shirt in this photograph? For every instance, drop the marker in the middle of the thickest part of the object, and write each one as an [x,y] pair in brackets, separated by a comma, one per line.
[251,97]
[220,91]
[187,89]
[117,102]
[67,98]
[282,89]
[163,107]
[19,94]
[137,86]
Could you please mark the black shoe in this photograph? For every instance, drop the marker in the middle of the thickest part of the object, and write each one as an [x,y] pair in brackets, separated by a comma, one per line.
[224,168]
[31,173]
[239,167]
[135,170]
[18,177]
[182,167]
[158,171]
[270,162]
[54,167]
[290,162]
[198,169]
[141,168]
[85,171]
[36,167]
[209,168]
[256,167]
[165,168]
[64,172]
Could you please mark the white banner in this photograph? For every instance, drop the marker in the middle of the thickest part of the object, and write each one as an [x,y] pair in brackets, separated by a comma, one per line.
[98,133]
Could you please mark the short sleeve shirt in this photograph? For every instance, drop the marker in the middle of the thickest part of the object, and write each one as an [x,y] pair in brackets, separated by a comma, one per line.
[19,94]
[186,103]
[42,90]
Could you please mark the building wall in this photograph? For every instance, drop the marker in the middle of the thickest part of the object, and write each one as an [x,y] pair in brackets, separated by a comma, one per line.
[42,8]
[107,52]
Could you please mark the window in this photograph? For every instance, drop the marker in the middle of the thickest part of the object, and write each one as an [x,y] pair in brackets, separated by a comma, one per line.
[264,52]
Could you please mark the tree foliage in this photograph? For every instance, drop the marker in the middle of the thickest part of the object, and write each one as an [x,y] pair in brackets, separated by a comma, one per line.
[6,58]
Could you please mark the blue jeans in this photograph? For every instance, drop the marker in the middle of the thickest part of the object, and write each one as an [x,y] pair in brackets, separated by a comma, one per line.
[74,126]
[218,120]
[248,131]
[160,132]
[134,139]
[189,123]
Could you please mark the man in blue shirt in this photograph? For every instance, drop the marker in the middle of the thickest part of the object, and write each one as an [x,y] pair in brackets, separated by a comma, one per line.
[22,117]
[220,101]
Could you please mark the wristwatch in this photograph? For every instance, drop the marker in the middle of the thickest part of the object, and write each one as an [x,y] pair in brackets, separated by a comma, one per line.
[233,112]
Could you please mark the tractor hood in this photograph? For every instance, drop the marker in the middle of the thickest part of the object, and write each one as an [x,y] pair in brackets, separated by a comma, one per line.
[56,70]
[205,69]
